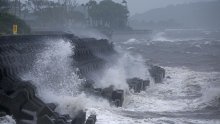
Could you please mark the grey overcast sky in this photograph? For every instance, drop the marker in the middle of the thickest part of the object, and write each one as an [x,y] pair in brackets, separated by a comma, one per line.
[140,6]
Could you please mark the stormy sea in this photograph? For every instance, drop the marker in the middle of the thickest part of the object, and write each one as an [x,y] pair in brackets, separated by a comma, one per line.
[189,94]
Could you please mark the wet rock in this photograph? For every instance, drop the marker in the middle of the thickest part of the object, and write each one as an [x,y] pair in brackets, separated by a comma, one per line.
[2,114]
[114,96]
[157,73]
[52,106]
[107,92]
[168,77]
[138,84]
[67,116]
[18,98]
[88,84]
[45,120]
[97,91]
[80,118]
[91,119]
[118,97]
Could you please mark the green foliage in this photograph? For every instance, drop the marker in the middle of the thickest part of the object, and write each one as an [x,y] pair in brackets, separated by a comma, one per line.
[7,21]
[53,14]
[108,14]
[58,15]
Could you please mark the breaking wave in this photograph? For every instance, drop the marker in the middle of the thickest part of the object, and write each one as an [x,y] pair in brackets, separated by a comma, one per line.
[57,81]
[55,78]
[126,66]
[184,93]
[174,35]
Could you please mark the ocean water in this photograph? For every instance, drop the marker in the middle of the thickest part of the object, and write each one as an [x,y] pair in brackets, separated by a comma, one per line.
[190,96]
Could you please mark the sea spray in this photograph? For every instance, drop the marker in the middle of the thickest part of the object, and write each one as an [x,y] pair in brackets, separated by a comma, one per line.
[160,36]
[125,66]
[7,120]
[70,105]
[55,77]
[178,35]
[86,32]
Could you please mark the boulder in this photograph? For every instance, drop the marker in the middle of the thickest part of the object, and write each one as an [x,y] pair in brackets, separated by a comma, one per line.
[52,106]
[114,96]
[118,97]
[80,118]
[157,73]
[168,77]
[138,84]
[17,98]
[91,119]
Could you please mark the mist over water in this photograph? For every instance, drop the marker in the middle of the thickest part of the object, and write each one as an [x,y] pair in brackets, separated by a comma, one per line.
[126,66]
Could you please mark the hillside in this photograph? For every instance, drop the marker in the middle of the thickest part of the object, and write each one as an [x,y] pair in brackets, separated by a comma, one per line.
[191,15]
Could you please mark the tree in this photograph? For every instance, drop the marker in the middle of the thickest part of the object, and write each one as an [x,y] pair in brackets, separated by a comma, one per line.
[4,5]
[60,13]
[91,4]
[108,14]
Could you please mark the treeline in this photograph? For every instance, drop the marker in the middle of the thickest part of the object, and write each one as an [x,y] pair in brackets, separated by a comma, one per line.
[47,13]
[106,15]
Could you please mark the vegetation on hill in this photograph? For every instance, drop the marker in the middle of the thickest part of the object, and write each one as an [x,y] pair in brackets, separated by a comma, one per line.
[8,20]
[108,14]
[65,15]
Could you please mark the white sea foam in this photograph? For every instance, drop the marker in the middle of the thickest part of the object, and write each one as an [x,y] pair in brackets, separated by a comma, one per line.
[131,41]
[7,120]
[160,37]
[186,90]
[165,37]
[126,66]
[55,77]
